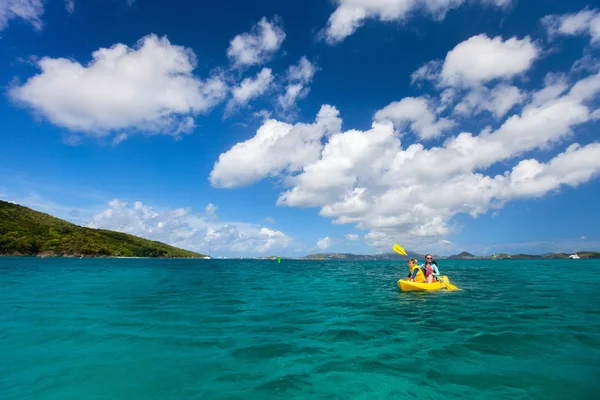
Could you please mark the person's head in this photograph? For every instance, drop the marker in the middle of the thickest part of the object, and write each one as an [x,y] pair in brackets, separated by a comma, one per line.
[411,262]
[428,259]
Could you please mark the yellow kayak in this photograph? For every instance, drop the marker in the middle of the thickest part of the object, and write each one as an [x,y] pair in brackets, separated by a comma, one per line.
[407,286]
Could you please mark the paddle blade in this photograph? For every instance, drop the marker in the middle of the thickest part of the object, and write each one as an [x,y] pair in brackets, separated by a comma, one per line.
[449,286]
[398,249]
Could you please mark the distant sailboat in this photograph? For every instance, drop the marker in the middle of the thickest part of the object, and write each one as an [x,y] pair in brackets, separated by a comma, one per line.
[208,257]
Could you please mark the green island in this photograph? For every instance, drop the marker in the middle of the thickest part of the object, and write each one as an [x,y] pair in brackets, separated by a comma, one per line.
[26,232]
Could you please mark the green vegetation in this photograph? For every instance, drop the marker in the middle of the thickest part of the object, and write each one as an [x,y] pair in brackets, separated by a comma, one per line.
[25,232]
[462,256]
[588,254]
[526,257]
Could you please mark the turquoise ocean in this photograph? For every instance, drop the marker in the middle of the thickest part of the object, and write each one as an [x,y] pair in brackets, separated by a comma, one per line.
[142,329]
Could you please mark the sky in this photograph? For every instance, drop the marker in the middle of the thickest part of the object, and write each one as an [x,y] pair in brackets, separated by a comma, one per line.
[289,128]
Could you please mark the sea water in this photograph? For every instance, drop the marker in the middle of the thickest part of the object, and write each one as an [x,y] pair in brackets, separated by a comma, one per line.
[79,329]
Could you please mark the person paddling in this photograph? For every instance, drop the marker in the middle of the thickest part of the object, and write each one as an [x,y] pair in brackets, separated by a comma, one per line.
[415,274]
[431,269]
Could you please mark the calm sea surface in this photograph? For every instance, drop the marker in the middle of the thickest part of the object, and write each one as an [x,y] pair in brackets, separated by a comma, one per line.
[222,329]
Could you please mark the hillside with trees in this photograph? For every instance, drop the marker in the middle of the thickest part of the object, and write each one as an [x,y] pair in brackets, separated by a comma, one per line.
[26,232]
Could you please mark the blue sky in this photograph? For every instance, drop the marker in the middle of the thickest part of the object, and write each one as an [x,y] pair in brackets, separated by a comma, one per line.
[290,128]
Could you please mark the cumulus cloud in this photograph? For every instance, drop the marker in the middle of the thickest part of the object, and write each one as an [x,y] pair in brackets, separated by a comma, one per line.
[211,210]
[298,79]
[497,101]
[324,243]
[584,22]
[352,236]
[149,89]
[396,192]
[416,113]
[180,228]
[30,11]
[477,73]
[351,14]
[249,89]
[277,147]
[257,46]
[480,60]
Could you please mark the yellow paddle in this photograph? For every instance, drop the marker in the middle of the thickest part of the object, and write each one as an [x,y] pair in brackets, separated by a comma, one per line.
[448,285]
[398,249]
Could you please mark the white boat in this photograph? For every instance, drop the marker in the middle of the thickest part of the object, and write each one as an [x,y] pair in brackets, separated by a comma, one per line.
[574,257]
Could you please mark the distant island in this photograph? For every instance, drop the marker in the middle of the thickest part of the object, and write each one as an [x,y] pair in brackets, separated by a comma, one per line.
[462,256]
[25,232]
[349,256]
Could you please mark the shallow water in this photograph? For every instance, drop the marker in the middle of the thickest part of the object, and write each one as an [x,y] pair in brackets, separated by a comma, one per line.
[232,329]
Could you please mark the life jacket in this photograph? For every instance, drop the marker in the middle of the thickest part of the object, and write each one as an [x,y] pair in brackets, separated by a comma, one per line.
[428,268]
[419,277]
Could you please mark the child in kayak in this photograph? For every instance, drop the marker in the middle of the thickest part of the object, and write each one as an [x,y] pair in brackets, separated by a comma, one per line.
[415,275]
[431,269]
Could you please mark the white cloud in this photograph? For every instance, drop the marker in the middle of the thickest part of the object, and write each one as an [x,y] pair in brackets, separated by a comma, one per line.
[301,72]
[257,46]
[30,11]
[180,228]
[277,146]
[582,238]
[497,101]
[586,64]
[211,210]
[554,86]
[352,236]
[472,65]
[480,60]
[149,89]
[298,79]
[430,71]
[351,14]
[324,243]
[269,220]
[395,192]
[263,115]
[249,89]
[292,93]
[416,113]
[70,6]
[121,137]
[585,22]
